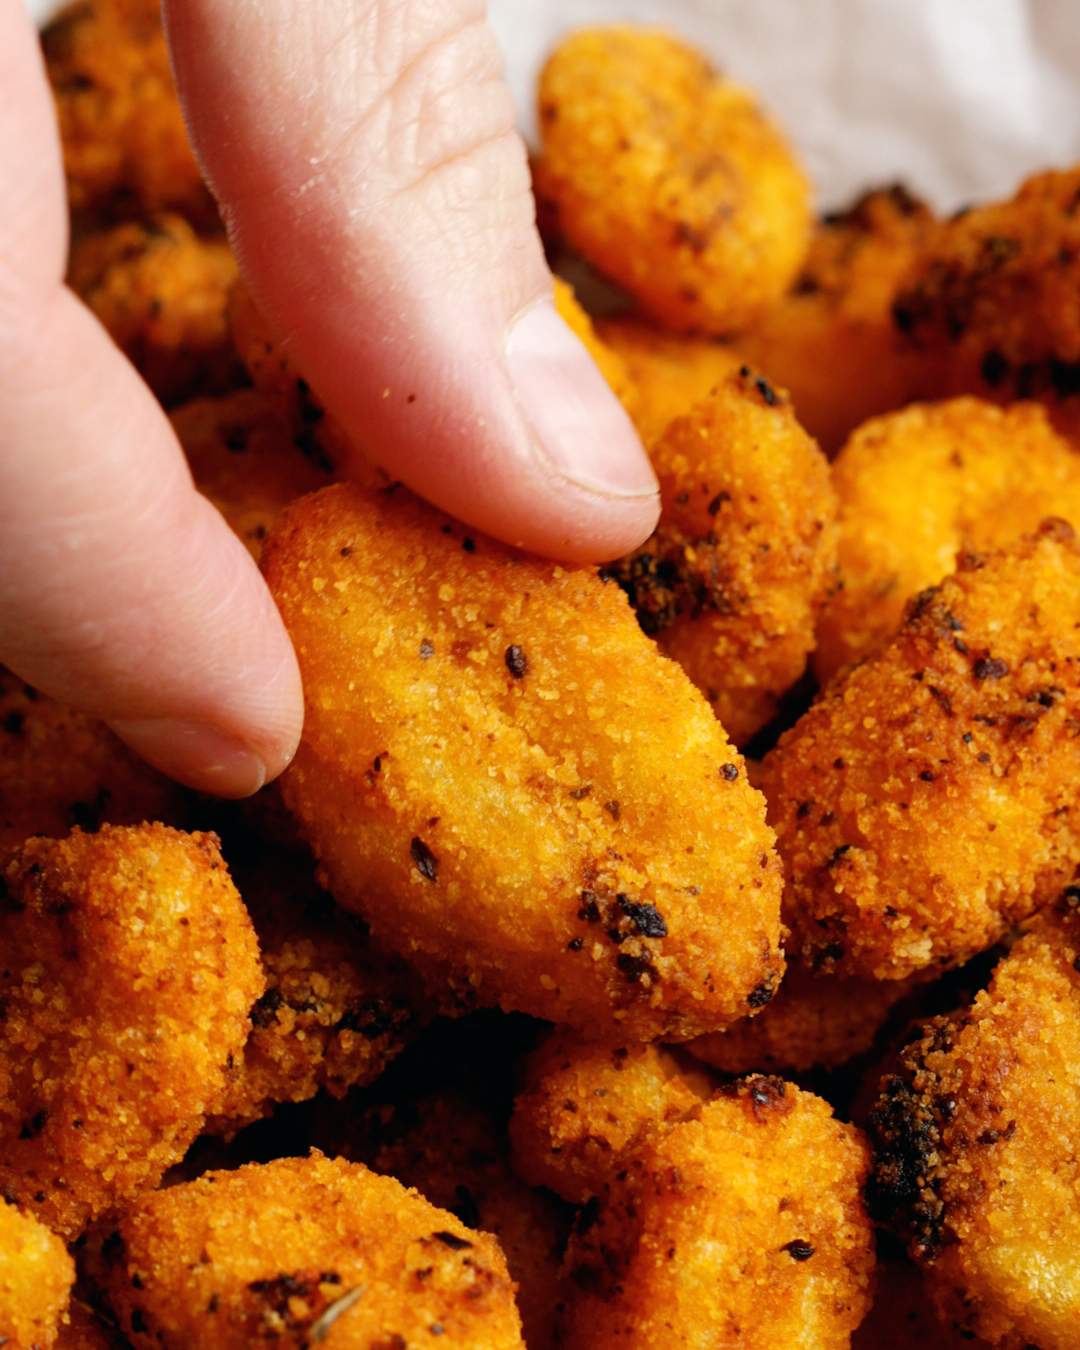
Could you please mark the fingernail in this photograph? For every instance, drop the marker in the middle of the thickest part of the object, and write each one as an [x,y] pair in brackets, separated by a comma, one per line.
[579,426]
[196,755]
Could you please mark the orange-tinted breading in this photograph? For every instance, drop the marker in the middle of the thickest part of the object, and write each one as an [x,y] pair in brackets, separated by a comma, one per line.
[992,304]
[975,1146]
[733,579]
[453,1153]
[36,1275]
[669,373]
[129,966]
[161,290]
[919,486]
[831,341]
[303,1252]
[243,458]
[927,800]
[583,1111]
[335,1010]
[669,179]
[500,771]
[814,1022]
[743,1227]
[609,361]
[125,145]
[60,768]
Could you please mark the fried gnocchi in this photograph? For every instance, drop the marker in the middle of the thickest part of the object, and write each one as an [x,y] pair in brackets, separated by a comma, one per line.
[60,768]
[454,1154]
[733,579]
[744,1226]
[814,1022]
[501,773]
[161,292]
[831,341]
[669,179]
[125,145]
[975,1146]
[301,1251]
[918,487]
[129,968]
[243,459]
[36,1275]
[335,1011]
[583,1110]
[990,305]
[926,802]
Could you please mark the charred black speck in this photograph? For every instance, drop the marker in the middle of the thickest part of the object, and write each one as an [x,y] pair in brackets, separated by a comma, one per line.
[517,663]
[264,1010]
[759,996]
[729,771]
[798,1249]
[34,1126]
[427,649]
[426,862]
[451,1240]
[635,967]
[990,668]
[646,918]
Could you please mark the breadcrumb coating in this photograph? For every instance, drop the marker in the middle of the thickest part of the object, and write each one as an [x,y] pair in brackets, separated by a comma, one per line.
[335,1010]
[975,1146]
[60,768]
[129,968]
[733,579]
[831,341]
[926,802]
[453,1153]
[668,178]
[301,1252]
[161,290]
[36,1275]
[502,774]
[126,149]
[669,372]
[814,1022]
[243,458]
[991,305]
[583,1111]
[744,1227]
[919,486]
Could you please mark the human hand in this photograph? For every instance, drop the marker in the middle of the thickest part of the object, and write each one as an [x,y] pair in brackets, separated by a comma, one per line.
[364,157]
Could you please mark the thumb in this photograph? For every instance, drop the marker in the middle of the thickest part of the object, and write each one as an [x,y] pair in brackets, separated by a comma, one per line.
[378,197]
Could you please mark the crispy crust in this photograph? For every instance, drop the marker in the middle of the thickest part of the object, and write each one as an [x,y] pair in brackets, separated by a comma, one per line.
[36,1275]
[453,1153]
[744,1226]
[733,579]
[160,290]
[669,179]
[243,458]
[335,1010]
[831,341]
[60,768]
[918,487]
[269,1253]
[503,775]
[583,1111]
[611,364]
[926,801]
[129,968]
[975,1159]
[991,306]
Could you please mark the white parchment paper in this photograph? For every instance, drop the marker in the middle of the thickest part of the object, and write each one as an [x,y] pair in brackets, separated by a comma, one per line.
[959,98]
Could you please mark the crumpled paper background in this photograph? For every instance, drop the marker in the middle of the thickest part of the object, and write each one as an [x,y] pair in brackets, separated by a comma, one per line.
[958,98]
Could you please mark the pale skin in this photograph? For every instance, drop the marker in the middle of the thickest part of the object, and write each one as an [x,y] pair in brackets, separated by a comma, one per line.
[365,158]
